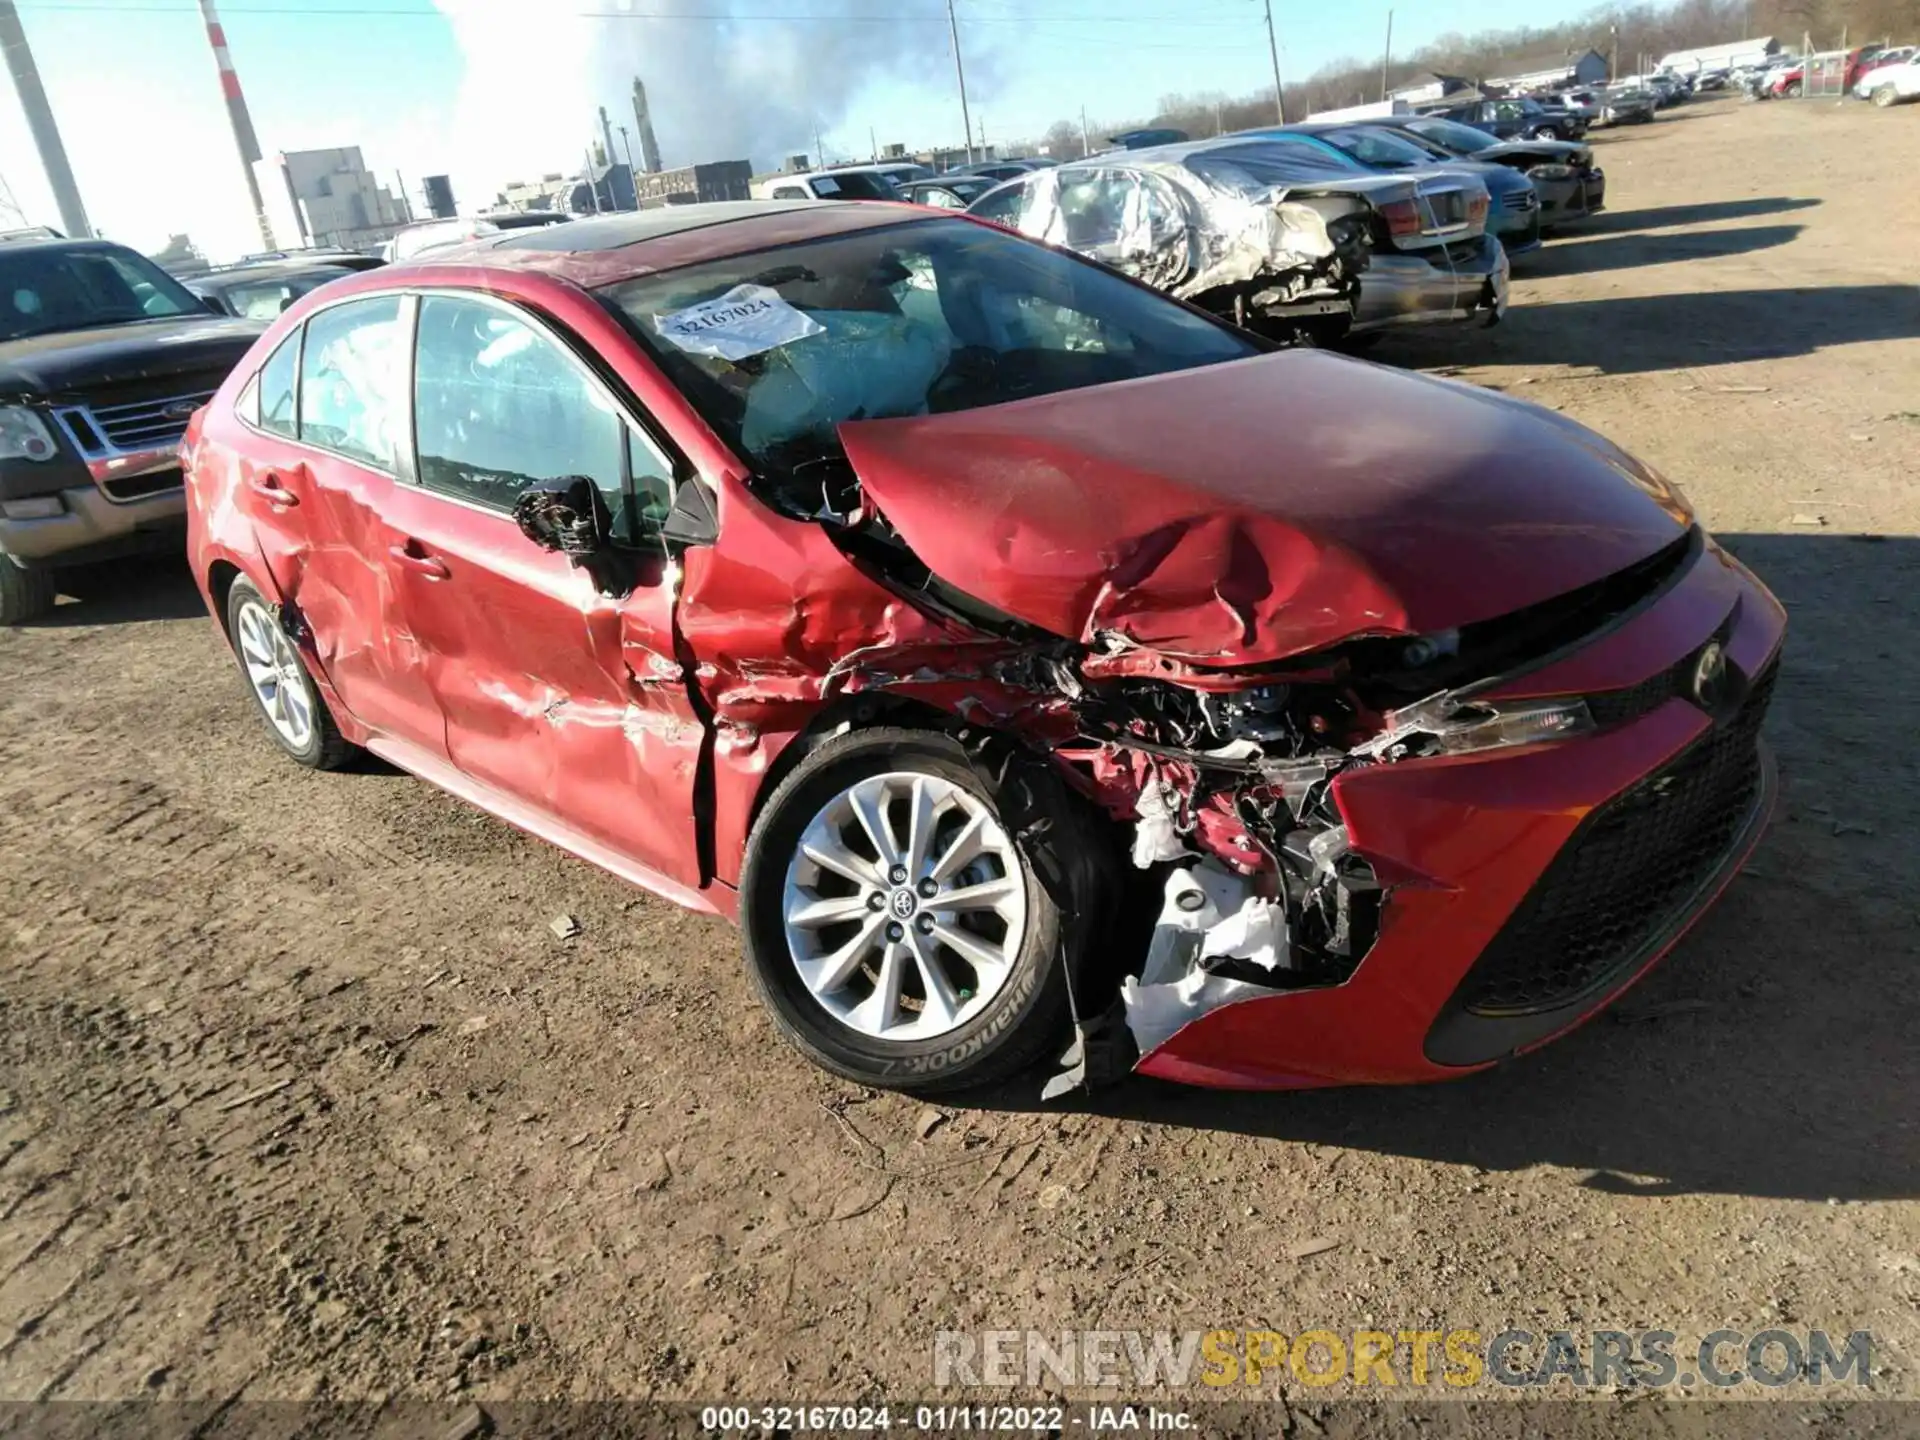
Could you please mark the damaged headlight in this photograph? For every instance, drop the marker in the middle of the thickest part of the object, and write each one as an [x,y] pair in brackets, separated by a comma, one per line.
[1445,724]
[1551,172]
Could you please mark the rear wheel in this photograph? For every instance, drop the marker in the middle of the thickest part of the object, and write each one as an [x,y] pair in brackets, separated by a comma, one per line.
[904,910]
[1792,91]
[288,700]
[24,594]
[1547,132]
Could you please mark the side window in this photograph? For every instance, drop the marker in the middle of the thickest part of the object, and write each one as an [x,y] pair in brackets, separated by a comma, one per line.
[939,198]
[261,302]
[353,380]
[499,406]
[652,489]
[1001,206]
[278,385]
[790,192]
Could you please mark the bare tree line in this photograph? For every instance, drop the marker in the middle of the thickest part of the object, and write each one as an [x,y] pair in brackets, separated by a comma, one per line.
[1622,33]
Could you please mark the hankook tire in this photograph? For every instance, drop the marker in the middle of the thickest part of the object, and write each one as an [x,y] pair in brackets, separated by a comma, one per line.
[901,908]
[289,703]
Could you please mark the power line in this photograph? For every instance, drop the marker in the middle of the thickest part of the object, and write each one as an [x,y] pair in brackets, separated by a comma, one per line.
[114,7]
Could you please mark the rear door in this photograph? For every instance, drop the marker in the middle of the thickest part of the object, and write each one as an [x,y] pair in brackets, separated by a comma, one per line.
[331,420]
[567,699]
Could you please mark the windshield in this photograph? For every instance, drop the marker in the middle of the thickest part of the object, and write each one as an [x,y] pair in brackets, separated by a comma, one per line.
[1381,148]
[1452,134]
[855,185]
[44,291]
[967,187]
[779,347]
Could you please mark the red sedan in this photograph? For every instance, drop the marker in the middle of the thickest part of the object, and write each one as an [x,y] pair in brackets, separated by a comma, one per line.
[1023,658]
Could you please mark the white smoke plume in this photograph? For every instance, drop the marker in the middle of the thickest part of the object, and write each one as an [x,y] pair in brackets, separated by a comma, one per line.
[726,79]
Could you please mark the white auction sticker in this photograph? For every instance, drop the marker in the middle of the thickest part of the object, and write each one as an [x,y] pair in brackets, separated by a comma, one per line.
[747,320]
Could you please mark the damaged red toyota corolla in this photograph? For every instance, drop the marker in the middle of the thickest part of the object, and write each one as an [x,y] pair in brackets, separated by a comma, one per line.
[1028,661]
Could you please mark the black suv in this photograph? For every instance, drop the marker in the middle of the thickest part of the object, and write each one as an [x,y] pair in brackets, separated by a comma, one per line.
[104,357]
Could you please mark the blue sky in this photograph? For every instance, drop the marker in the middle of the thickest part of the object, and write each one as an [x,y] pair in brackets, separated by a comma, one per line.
[494,90]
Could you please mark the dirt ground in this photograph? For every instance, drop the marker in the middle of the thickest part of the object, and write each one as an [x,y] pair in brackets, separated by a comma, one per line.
[300,1097]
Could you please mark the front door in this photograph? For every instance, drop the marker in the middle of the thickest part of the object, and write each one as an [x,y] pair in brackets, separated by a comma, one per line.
[567,699]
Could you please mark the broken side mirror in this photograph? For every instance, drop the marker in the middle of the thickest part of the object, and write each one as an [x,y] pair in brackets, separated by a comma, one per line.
[568,516]
[692,520]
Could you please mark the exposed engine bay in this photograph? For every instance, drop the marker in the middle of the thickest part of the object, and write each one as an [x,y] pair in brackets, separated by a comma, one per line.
[1222,773]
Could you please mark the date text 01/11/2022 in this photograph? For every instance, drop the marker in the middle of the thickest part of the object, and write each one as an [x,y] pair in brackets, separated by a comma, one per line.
[942,1419]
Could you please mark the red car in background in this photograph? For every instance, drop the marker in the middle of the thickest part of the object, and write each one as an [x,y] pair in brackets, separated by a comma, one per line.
[1792,82]
[1020,656]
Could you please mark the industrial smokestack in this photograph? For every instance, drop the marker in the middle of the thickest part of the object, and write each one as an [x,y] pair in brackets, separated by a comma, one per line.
[46,135]
[606,137]
[643,122]
[243,135]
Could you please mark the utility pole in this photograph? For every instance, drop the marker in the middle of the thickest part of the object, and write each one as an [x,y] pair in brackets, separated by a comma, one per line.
[243,137]
[627,145]
[593,187]
[1613,60]
[1386,56]
[1273,49]
[406,201]
[1086,140]
[46,135]
[960,73]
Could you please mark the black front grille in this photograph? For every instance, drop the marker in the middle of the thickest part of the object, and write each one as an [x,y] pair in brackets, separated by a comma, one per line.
[147,424]
[1625,874]
[1616,707]
[138,487]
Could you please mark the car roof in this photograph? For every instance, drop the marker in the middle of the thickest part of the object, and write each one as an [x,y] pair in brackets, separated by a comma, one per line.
[267,270]
[14,244]
[606,249]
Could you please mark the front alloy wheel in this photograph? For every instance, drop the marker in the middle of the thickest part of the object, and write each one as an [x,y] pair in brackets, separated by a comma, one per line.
[905,906]
[902,905]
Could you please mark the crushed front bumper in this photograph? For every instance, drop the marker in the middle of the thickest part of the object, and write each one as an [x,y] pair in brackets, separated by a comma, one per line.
[1528,888]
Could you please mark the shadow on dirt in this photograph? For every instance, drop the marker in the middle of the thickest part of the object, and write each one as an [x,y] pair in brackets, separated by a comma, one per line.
[1771,1052]
[1626,251]
[1658,217]
[124,591]
[1642,333]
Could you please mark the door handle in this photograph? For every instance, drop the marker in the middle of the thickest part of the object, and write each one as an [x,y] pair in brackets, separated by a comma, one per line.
[413,558]
[269,489]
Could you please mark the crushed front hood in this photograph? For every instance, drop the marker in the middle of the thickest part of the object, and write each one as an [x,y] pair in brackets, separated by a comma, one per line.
[1242,513]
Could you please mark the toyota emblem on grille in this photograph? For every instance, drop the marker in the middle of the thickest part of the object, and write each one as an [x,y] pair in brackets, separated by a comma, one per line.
[1709,681]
